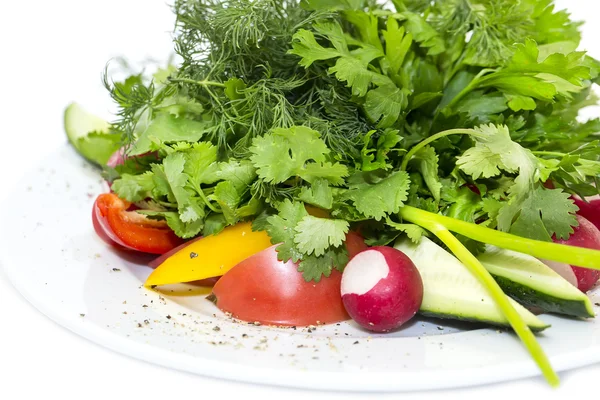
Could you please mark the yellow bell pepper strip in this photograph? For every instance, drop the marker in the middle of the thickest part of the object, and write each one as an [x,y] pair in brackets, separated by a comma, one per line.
[210,256]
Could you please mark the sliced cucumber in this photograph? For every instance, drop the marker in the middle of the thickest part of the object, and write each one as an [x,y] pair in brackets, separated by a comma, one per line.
[451,291]
[531,282]
[90,135]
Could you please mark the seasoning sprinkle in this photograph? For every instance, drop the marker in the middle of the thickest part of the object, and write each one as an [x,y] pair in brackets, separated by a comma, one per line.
[193,255]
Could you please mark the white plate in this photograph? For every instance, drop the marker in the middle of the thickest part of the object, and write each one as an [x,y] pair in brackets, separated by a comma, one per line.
[52,255]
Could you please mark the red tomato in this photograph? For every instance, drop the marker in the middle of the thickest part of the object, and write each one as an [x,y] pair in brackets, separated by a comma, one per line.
[266,290]
[117,226]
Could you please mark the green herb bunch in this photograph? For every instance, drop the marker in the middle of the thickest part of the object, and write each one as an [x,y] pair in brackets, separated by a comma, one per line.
[318,117]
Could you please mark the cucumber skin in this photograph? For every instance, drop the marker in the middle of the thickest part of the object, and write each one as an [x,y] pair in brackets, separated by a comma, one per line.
[426,313]
[531,297]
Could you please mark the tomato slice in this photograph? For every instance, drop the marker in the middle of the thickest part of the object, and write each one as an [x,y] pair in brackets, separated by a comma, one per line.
[128,229]
[266,290]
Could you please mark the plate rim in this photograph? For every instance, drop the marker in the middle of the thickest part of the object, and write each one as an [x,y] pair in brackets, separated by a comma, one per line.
[349,381]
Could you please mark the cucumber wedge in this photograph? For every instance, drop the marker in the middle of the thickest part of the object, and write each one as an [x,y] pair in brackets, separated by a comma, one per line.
[531,282]
[450,291]
[90,135]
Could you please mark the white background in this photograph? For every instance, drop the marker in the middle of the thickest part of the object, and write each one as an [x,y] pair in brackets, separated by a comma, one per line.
[53,52]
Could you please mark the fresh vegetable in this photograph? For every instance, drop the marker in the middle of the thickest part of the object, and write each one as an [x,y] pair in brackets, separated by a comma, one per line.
[381,289]
[396,120]
[90,135]
[589,210]
[530,282]
[588,236]
[210,256]
[130,230]
[451,291]
[266,290]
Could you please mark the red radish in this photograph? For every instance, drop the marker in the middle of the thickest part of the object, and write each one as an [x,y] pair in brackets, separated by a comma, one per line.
[589,210]
[381,289]
[118,158]
[584,235]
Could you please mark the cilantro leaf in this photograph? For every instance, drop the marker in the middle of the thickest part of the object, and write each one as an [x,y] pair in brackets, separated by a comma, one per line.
[377,194]
[543,213]
[134,188]
[281,229]
[412,231]
[494,150]
[296,151]
[377,158]
[182,229]
[200,163]
[318,194]
[313,267]
[228,198]
[315,235]
[384,104]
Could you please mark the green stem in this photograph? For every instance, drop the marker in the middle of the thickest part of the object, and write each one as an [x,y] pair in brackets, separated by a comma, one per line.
[205,199]
[472,85]
[572,255]
[203,82]
[433,138]
[549,153]
[513,317]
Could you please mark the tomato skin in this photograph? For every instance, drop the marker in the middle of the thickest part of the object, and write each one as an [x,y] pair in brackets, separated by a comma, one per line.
[128,229]
[266,290]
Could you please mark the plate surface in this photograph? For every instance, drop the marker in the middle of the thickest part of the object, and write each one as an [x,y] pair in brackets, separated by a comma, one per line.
[51,254]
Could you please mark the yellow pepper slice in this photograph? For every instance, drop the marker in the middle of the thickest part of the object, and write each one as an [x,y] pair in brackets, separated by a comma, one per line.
[210,256]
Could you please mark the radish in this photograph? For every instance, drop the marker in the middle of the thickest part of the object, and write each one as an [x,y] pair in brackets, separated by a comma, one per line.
[381,289]
[584,235]
[590,210]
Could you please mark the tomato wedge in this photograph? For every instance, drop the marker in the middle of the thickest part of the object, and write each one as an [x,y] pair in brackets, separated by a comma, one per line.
[128,229]
[265,290]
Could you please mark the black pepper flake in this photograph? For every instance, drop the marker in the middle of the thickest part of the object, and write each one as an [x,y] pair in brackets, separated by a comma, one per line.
[152,286]
[169,317]
[355,342]
[244,335]
[193,255]
[440,328]
[597,304]
[145,306]
[293,327]
[216,329]
[147,322]
[82,315]
[139,325]
[116,270]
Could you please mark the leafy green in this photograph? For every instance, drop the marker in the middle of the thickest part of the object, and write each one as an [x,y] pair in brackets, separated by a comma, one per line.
[356,110]
[378,194]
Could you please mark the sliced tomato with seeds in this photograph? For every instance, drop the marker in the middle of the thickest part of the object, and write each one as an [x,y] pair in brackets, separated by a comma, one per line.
[116,225]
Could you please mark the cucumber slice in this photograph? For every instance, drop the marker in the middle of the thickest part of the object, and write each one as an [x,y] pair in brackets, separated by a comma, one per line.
[90,135]
[451,291]
[531,282]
